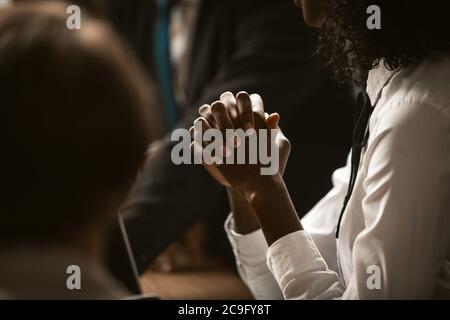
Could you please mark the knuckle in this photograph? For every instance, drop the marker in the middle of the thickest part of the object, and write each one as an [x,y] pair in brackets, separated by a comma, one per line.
[226,95]
[256,96]
[218,107]
[244,99]
[203,109]
[197,120]
[286,143]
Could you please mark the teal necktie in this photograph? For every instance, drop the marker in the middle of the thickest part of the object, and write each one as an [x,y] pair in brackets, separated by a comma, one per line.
[163,63]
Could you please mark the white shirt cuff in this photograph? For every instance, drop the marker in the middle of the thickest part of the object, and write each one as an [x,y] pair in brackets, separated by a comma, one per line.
[293,256]
[250,247]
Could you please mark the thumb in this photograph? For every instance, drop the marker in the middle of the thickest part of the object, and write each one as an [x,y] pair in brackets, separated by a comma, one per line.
[273,121]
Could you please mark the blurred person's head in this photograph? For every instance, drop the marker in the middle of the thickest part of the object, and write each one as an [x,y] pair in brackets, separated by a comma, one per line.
[410,31]
[74,126]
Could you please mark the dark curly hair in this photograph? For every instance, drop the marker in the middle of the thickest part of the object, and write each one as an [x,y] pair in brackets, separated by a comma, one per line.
[411,29]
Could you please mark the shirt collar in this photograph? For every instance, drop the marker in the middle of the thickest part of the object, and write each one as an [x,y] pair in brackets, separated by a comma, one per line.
[377,80]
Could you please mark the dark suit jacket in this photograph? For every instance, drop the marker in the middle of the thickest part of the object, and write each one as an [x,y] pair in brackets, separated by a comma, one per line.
[261,46]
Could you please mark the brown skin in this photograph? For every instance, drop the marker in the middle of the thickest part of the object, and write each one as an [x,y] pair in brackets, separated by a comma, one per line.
[256,200]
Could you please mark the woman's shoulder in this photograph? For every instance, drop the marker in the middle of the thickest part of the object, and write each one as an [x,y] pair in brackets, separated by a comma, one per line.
[426,85]
[414,112]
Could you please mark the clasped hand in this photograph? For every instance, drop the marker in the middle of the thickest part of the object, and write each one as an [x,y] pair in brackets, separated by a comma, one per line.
[245,112]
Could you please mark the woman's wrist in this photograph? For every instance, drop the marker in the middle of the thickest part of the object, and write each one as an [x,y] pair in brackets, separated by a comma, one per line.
[245,220]
[261,188]
[273,208]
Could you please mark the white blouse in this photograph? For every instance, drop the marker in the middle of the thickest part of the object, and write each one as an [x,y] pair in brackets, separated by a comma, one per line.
[395,235]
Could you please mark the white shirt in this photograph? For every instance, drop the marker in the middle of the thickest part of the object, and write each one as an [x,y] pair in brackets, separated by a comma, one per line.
[395,235]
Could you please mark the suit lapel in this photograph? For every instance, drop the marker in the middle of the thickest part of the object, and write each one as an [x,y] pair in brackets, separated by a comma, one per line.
[206,48]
